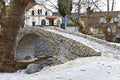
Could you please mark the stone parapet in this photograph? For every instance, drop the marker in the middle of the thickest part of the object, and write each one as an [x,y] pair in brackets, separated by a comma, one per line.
[110,44]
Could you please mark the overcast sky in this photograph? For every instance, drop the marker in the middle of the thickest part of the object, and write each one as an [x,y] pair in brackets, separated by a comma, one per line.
[116,8]
[117,5]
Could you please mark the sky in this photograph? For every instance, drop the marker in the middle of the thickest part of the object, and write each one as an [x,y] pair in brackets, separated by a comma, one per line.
[103,7]
[117,5]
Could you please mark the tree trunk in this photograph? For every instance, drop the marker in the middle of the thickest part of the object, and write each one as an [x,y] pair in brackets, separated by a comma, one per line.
[8,35]
[65,21]
[108,34]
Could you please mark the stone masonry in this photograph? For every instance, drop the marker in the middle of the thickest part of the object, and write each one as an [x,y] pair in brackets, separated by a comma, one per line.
[37,41]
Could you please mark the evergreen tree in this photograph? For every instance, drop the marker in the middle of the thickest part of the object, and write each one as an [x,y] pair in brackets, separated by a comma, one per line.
[64,7]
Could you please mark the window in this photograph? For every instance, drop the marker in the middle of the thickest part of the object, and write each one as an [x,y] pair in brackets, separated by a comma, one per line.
[33,23]
[32,13]
[39,11]
[46,13]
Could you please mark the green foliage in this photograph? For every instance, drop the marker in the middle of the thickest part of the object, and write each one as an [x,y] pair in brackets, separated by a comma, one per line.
[70,23]
[73,19]
[2,10]
[2,4]
[64,7]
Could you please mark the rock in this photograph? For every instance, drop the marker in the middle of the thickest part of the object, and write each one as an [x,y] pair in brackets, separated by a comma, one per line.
[56,61]
[32,68]
[38,66]
[28,57]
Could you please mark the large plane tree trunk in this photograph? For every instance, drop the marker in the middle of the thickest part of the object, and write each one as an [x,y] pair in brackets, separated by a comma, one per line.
[8,35]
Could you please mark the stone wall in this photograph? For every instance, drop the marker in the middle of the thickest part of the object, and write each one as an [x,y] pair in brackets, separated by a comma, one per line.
[62,48]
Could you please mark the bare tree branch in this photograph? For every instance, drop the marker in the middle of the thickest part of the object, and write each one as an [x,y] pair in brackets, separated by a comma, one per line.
[113,3]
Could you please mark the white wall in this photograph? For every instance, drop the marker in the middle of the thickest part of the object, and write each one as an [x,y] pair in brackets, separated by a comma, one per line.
[58,18]
[38,18]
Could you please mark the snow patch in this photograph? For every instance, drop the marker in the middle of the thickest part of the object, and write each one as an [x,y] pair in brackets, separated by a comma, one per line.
[89,68]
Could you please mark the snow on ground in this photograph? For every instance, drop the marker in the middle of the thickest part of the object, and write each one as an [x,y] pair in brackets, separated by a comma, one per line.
[88,68]
[118,44]
[105,50]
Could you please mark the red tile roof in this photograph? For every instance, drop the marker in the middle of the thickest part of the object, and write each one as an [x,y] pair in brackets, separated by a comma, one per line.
[51,17]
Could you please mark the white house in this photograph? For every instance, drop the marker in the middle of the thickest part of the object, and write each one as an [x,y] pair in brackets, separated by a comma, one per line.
[38,15]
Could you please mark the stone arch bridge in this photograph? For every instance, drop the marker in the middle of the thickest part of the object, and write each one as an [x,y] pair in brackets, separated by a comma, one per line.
[52,41]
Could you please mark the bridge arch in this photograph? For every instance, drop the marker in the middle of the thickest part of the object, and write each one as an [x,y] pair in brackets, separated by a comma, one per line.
[32,43]
[60,47]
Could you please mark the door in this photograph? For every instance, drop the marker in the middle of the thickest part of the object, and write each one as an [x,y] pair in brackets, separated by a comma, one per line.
[43,22]
[51,22]
[33,24]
